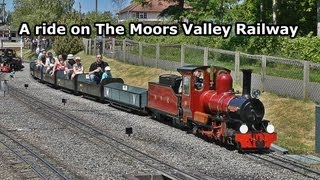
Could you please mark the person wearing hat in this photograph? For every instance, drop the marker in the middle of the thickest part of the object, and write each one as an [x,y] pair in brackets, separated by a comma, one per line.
[77,68]
[107,73]
[69,64]
[70,61]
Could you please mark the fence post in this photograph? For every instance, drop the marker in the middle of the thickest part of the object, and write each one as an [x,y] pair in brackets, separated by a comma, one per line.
[90,47]
[140,54]
[103,45]
[86,45]
[113,48]
[317,138]
[205,56]
[157,54]
[95,46]
[263,71]
[124,50]
[182,54]
[306,72]
[237,66]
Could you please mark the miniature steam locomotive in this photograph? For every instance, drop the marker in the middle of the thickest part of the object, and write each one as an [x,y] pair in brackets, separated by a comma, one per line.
[9,61]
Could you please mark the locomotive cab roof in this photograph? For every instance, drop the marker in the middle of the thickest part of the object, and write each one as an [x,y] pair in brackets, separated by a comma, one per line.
[191,68]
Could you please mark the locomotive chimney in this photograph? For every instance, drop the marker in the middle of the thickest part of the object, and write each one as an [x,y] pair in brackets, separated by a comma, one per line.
[246,82]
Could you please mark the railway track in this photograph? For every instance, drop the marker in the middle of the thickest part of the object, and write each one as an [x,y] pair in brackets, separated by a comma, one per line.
[30,164]
[56,114]
[283,162]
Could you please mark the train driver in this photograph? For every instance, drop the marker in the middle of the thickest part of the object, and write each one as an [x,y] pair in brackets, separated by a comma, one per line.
[198,80]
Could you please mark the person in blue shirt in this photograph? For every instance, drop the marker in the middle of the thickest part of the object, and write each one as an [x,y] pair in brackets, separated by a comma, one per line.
[107,73]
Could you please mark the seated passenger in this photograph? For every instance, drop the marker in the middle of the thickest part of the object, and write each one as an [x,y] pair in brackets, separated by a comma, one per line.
[96,69]
[198,80]
[59,65]
[77,68]
[41,60]
[107,73]
[69,64]
[50,61]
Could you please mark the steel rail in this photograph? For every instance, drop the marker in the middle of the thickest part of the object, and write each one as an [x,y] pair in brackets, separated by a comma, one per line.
[33,154]
[64,117]
[288,164]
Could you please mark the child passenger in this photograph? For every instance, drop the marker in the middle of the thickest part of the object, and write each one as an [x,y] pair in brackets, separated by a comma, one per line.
[107,73]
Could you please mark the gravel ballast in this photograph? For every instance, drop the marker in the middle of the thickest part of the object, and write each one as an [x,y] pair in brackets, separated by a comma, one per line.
[84,158]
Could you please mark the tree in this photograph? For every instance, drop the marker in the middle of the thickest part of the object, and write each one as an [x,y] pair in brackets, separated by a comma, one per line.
[302,13]
[69,44]
[37,11]
[289,12]
[93,17]
[119,4]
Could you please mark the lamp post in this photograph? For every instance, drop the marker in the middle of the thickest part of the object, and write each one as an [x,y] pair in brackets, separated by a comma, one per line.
[317,143]
[96,6]
[318,18]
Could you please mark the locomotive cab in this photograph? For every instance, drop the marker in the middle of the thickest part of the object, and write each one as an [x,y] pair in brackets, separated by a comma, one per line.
[200,80]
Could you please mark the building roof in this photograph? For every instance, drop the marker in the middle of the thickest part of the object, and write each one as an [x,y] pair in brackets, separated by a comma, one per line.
[152,6]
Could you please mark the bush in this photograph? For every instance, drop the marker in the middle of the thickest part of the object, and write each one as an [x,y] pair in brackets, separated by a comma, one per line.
[302,48]
[67,44]
[297,48]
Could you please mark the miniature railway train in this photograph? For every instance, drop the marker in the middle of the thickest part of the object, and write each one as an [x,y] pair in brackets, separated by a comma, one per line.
[9,61]
[211,109]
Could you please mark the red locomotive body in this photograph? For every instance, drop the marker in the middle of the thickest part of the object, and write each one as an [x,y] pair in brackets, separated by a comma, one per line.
[5,68]
[9,61]
[162,98]
[206,103]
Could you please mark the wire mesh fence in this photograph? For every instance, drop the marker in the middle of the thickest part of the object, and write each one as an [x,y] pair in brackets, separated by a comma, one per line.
[194,55]
[288,77]
[223,58]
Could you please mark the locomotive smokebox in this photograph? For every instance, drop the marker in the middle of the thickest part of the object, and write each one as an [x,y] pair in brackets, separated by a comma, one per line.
[246,82]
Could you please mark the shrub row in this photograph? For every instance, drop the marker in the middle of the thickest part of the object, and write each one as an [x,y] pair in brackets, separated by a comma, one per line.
[306,48]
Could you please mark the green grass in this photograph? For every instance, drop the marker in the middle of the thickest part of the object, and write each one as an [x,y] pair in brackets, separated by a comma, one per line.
[27,55]
[294,120]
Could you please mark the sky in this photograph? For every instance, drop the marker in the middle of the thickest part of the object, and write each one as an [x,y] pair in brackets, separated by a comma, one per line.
[86,5]
[103,5]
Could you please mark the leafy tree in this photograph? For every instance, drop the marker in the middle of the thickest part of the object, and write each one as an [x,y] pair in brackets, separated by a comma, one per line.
[302,13]
[38,11]
[93,17]
[68,43]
